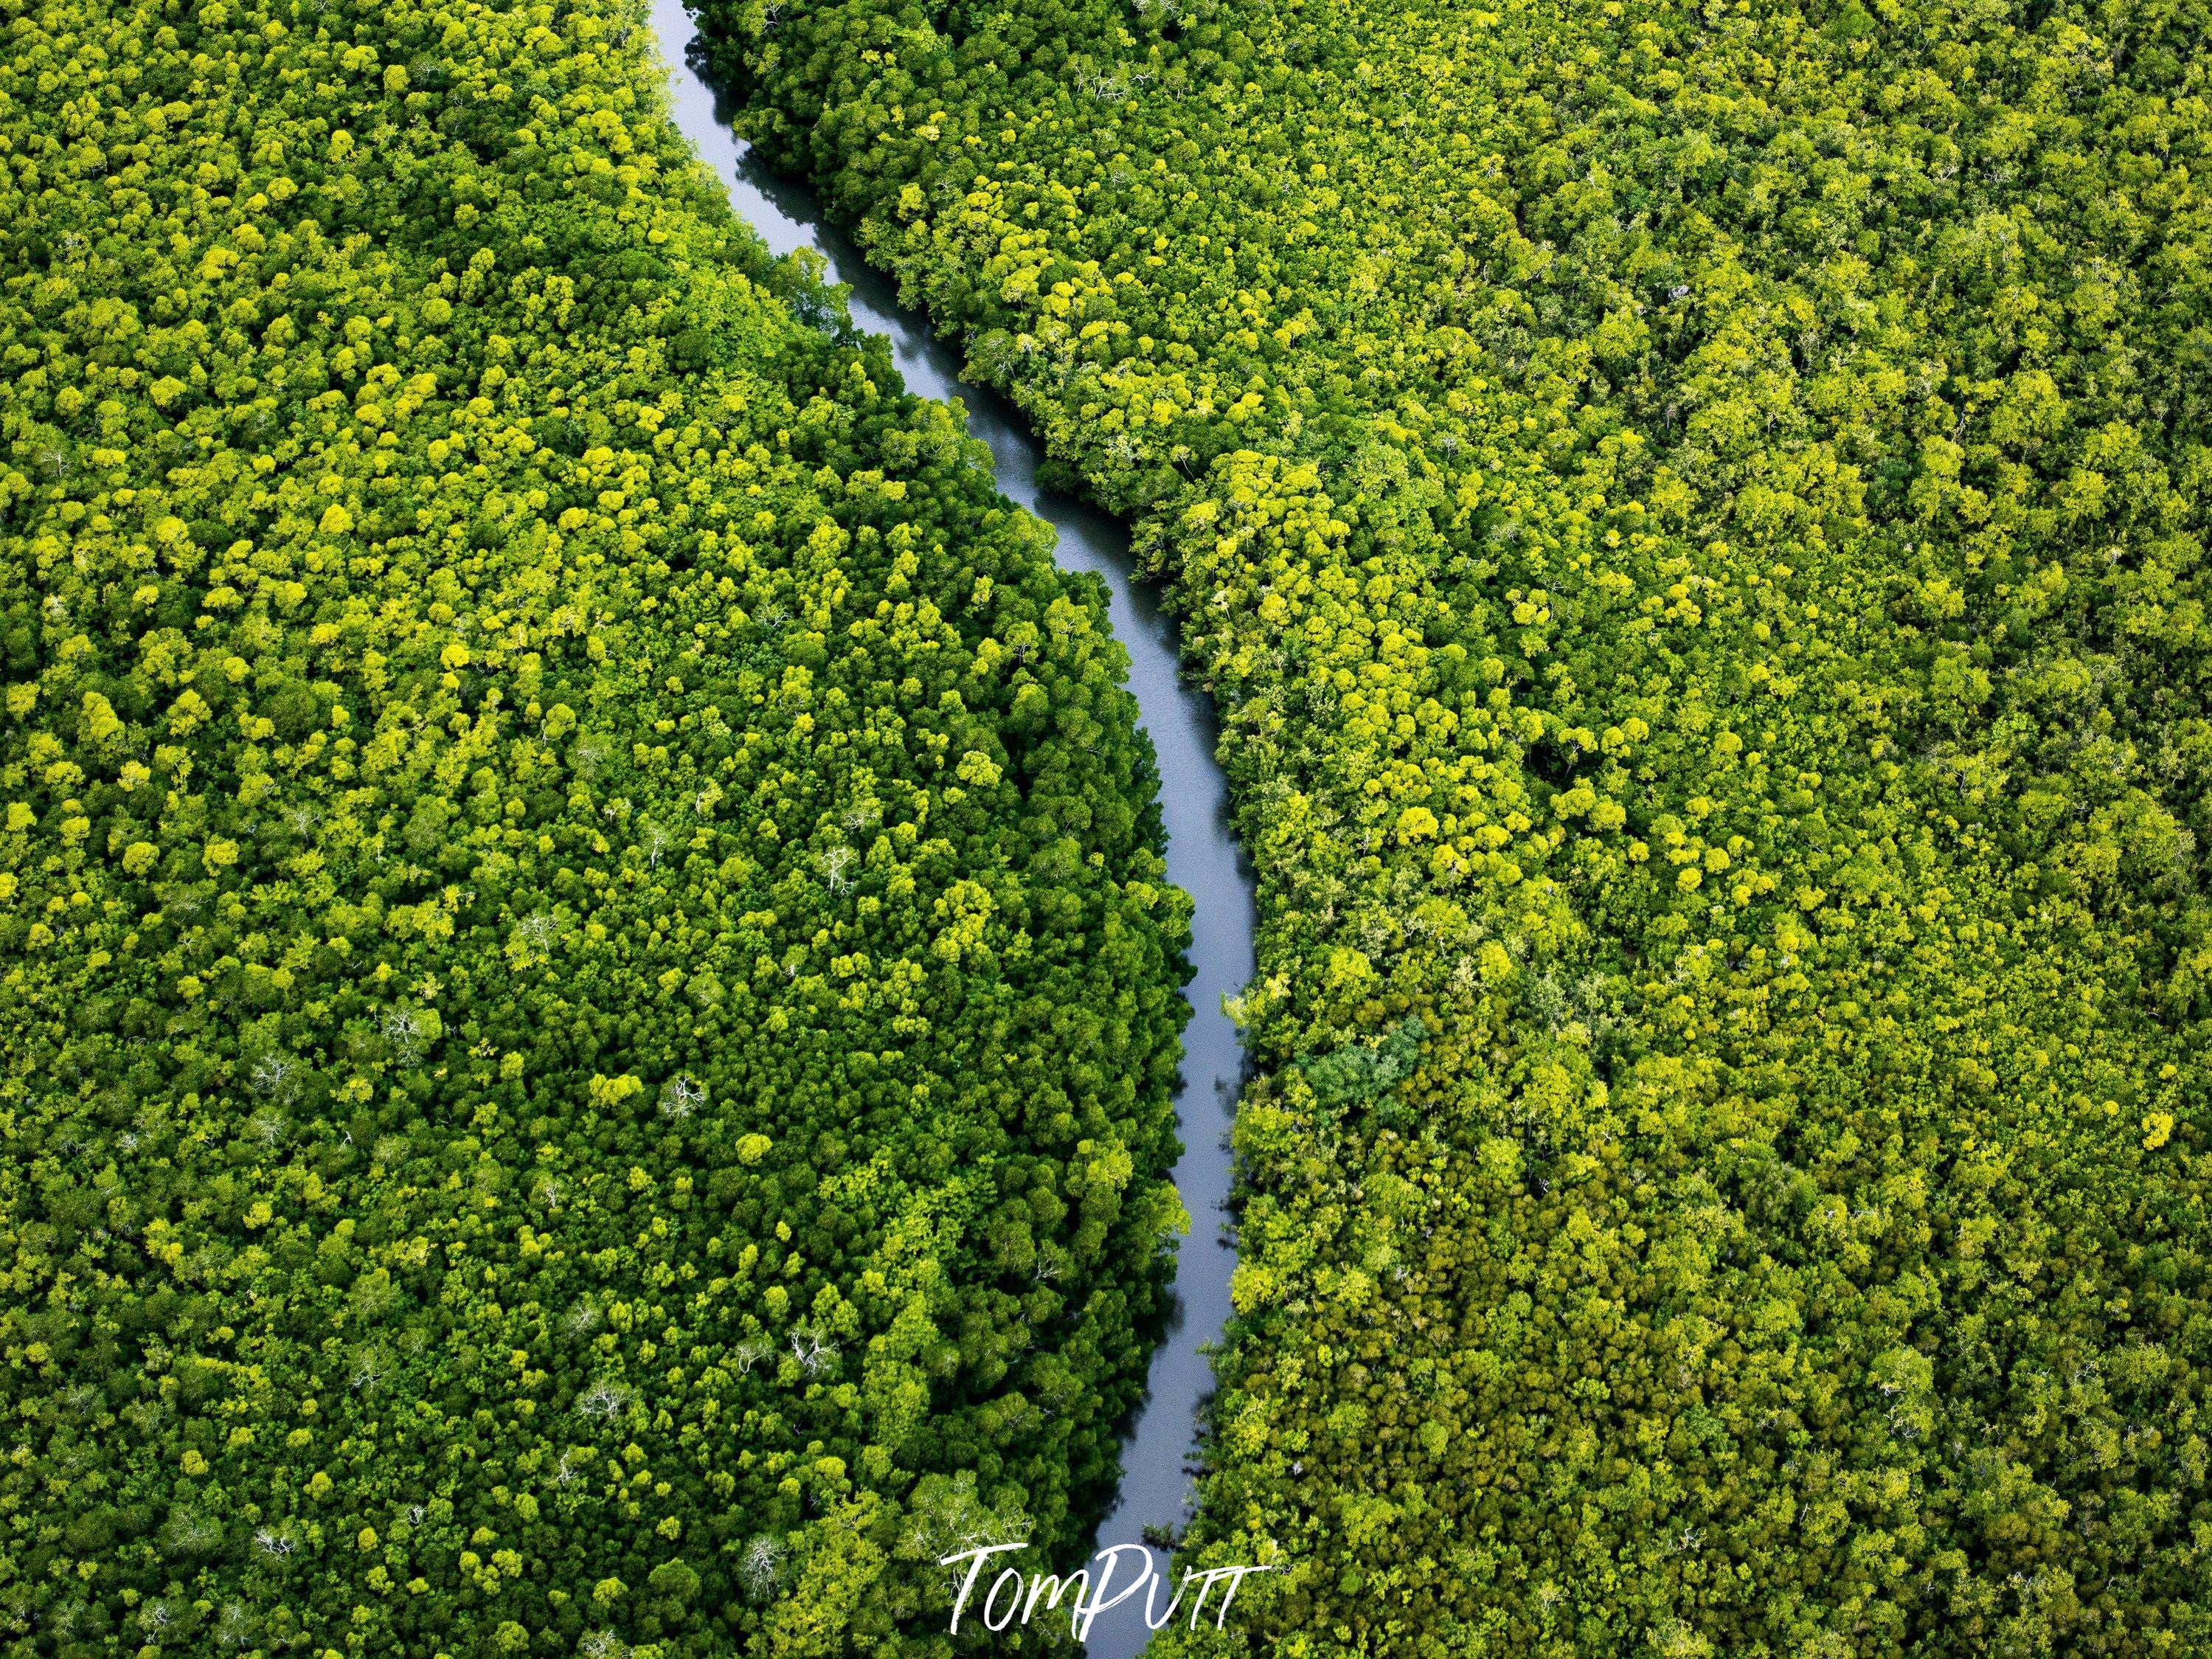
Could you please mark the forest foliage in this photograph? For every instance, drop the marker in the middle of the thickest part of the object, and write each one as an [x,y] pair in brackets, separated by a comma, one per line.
[1695,517]
[587,989]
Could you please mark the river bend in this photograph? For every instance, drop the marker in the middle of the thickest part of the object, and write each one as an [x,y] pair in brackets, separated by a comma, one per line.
[1202,855]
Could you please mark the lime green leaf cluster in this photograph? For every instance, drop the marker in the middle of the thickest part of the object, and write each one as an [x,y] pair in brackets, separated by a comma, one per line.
[1695,516]
[587,983]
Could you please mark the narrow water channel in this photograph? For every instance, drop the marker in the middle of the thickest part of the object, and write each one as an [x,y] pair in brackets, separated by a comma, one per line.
[1202,856]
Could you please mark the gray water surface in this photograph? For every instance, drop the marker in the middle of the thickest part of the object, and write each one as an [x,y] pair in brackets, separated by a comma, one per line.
[1202,856]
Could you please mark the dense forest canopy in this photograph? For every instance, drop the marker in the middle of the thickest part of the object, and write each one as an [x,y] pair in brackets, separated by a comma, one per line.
[589,989]
[1695,515]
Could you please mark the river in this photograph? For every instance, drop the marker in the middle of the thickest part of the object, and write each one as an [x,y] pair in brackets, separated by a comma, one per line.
[1202,855]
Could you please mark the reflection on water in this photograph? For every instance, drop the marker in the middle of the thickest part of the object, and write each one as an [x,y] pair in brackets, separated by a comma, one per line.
[1202,857]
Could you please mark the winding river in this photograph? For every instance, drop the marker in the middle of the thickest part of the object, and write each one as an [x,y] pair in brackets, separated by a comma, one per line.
[1202,856]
